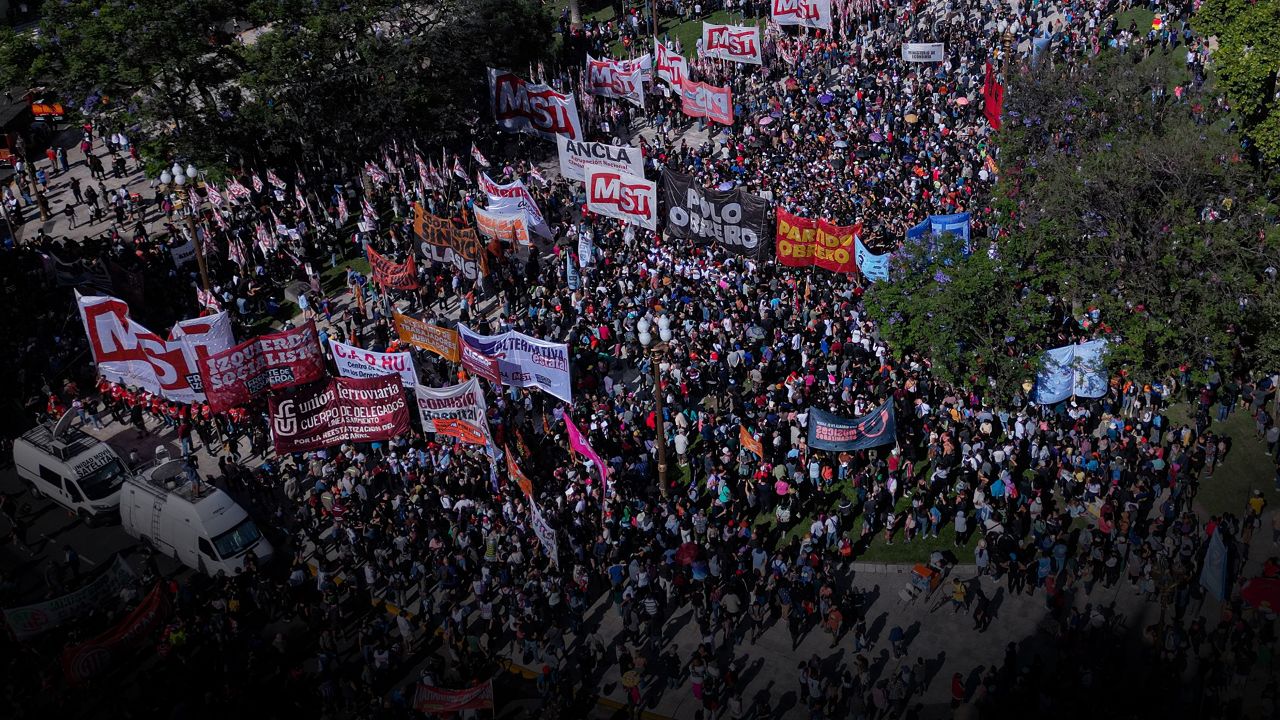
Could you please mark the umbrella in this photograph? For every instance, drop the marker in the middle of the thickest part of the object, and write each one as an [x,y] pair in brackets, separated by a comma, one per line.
[962,100]
[840,144]
[912,118]
[876,137]
[775,114]
[825,98]
[908,158]
[687,553]
[725,186]
[791,83]
[630,679]
[765,120]
[1262,593]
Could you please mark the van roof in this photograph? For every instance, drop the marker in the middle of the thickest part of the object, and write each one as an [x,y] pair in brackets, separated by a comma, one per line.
[171,478]
[72,441]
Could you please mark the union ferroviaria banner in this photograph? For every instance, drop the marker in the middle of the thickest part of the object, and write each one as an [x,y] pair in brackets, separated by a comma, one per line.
[620,195]
[130,354]
[611,78]
[575,156]
[391,274]
[735,219]
[923,52]
[268,362]
[810,13]
[439,340]
[699,99]
[354,362]
[672,67]
[731,42]
[832,432]
[524,361]
[340,410]
[443,242]
[802,242]
[458,411]
[521,106]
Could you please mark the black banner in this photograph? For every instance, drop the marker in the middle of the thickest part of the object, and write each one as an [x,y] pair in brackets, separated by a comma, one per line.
[734,220]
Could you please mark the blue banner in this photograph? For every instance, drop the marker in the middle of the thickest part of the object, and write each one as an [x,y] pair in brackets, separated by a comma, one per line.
[832,432]
[874,267]
[936,226]
[1072,370]
[571,274]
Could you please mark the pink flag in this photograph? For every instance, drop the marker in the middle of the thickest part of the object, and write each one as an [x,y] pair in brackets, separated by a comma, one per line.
[579,443]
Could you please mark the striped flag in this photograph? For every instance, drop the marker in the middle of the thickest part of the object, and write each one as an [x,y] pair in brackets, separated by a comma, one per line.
[237,190]
[533,173]
[375,173]
[475,155]
[276,182]
[257,183]
[457,168]
[343,213]
[215,197]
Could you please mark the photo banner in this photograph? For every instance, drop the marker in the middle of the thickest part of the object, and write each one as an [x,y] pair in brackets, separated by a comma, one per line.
[622,196]
[873,267]
[441,241]
[832,432]
[708,101]
[341,410]
[94,657]
[735,220]
[458,411]
[29,621]
[575,156]
[428,700]
[440,340]
[391,274]
[809,13]
[738,43]
[801,242]
[524,361]
[130,354]
[923,52]
[354,362]
[521,106]
[1072,371]
[268,362]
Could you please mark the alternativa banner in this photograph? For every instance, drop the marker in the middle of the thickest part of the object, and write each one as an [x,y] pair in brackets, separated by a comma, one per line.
[733,219]
[802,242]
[268,362]
[524,361]
[575,156]
[341,410]
[439,340]
[832,432]
[457,410]
[521,106]
[354,362]
[442,242]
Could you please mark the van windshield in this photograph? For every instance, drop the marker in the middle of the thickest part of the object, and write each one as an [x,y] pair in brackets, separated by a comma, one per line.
[237,539]
[104,481]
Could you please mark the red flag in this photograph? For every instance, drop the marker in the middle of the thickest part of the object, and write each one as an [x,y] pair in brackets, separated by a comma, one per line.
[992,98]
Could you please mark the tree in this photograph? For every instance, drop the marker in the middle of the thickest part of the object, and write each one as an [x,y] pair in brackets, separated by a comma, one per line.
[1246,62]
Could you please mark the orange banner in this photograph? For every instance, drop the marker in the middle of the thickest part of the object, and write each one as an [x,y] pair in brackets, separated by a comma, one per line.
[461,429]
[439,340]
[749,442]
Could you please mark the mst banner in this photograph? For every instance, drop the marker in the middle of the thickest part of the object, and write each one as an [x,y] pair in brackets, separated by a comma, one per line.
[267,362]
[810,13]
[338,411]
[802,242]
[832,432]
[391,274]
[575,156]
[699,99]
[614,79]
[731,42]
[128,353]
[441,241]
[354,362]
[458,411]
[439,340]
[735,219]
[622,196]
[520,106]
[524,361]
[673,68]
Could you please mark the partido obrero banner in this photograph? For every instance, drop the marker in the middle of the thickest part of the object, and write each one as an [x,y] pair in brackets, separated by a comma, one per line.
[521,106]
[802,242]
[524,361]
[458,411]
[734,219]
[341,410]
[354,362]
[832,432]
[268,362]
[575,156]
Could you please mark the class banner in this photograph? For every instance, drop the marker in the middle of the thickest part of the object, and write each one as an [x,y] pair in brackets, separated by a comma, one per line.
[458,411]
[626,197]
[354,362]
[731,42]
[439,340]
[734,219]
[828,431]
[802,242]
[524,361]
[268,362]
[441,241]
[923,52]
[341,410]
[575,156]
[699,99]
[809,13]
[391,274]
[525,107]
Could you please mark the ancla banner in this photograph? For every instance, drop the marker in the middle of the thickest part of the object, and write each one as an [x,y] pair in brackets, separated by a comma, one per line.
[341,410]
[810,13]
[672,67]
[575,156]
[524,361]
[457,410]
[802,242]
[439,340]
[391,274]
[832,432]
[735,219]
[354,362]
[428,700]
[923,52]
[94,657]
[731,42]
[521,106]
[622,196]
[610,78]
[268,362]
[702,100]
[130,354]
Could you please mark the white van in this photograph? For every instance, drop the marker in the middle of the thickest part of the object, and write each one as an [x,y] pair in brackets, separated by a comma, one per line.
[191,521]
[72,468]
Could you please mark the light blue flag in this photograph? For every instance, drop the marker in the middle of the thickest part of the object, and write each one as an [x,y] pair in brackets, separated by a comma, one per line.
[874,267]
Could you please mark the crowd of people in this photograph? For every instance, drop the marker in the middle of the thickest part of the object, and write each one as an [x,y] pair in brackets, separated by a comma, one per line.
[1052,501]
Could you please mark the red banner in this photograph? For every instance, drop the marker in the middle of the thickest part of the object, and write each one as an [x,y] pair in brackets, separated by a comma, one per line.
[90,659]
[341,410]
[708,101]
[992,98]
[429,699]
[480,364]
[391,274]
[268,362]
[802,242]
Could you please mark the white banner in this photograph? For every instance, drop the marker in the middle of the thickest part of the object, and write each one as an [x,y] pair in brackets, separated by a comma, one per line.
[810,13]
[525,361]
[575,156]
[521,106]
[510,224]
[673,68]
[607,78]
[506,199]
[354,362]
[546,535]
[464,403]
[731,42]
[183,254]
[586,249]
[128,353]
[923,52]
[644,64]
[622,196]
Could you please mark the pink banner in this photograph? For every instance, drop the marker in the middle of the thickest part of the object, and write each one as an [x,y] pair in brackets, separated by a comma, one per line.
[579,443]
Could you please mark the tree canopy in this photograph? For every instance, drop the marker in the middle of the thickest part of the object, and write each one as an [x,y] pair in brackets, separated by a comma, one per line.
[1246,62]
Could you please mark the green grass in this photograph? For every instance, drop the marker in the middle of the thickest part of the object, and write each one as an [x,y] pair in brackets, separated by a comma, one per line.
[1246,469]
[334,279]
[687,33]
